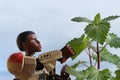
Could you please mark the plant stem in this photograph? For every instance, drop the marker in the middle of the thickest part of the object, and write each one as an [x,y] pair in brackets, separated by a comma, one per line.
[103,47]
[90,57]
[98,56]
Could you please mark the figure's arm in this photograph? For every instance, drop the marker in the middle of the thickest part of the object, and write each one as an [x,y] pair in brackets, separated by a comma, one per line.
[48,59]
[39,65]
[67,52]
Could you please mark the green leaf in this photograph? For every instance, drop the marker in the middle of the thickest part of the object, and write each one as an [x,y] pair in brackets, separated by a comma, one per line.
[94,56]
[78,74]
[81,19]
[78,45]
[94,74]
[97,19]
[113,40]
[77,64]
[117,77]
[108,57]
[118,64]
[90,74]
[98,32]
[109,18]
[117,74]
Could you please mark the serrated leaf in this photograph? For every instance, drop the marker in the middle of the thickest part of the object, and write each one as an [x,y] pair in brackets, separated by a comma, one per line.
[94,56]
[78,45]
[118,64]
[102,75]
[98,32]
[97,18]
[94,74]
[81,19]
[108,57]
[113,41]
[78,74]
[90,74]
[117,72]
[77,64]
[110,18]
[117,77]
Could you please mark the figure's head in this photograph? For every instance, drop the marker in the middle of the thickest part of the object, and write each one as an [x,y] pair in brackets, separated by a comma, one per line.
[27,41]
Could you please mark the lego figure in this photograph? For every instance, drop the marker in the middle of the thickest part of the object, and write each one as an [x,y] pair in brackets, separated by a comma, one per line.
[41,68]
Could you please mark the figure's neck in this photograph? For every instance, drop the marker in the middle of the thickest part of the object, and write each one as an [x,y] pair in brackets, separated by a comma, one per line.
[29,54]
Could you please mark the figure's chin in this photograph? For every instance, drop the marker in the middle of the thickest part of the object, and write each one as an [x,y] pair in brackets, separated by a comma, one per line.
[39,50]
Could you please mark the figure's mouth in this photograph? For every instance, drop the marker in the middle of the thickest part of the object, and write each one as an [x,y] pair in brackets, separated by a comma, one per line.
[39,47]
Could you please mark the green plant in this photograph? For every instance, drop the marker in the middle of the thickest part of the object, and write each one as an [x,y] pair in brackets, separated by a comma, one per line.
[95,41]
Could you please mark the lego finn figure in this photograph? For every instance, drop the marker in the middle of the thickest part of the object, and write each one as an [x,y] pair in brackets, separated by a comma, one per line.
[27,67]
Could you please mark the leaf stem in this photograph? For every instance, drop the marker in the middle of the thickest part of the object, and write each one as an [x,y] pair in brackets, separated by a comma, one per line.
[93,48]
[89,55]
[98,56]
[103,47]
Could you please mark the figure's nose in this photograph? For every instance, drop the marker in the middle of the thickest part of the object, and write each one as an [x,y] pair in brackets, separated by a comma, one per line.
[38,41]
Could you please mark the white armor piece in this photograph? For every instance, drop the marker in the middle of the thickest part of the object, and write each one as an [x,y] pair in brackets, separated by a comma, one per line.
[25,70]
[28,71]
[48,59]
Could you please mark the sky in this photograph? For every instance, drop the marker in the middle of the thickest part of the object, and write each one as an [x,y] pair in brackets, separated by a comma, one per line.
[50,20]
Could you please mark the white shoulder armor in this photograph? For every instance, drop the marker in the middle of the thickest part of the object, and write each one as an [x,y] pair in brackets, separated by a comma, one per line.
[15,63]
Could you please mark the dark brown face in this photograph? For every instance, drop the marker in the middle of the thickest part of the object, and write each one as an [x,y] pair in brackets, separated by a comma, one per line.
[32,44]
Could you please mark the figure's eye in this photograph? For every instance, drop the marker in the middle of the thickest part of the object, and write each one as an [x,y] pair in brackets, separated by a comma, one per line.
[33,40]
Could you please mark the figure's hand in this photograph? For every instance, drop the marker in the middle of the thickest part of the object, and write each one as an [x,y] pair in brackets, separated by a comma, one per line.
[67,52]
[64,74]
